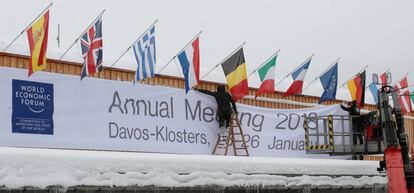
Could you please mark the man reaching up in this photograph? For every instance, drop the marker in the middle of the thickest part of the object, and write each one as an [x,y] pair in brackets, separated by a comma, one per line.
[224,108]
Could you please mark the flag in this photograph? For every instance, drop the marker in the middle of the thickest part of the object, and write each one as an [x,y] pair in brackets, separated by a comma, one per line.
[235,71]
[145,55]
[329,81]
[298,76]
[405,102]
[267,76]
[404,98]
[356,87]
[412,97]
[190,63]
[374,91]
[402,85]
[92,52]
[383,78]
[37,35]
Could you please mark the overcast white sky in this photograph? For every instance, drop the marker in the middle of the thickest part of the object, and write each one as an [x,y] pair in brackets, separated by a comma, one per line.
[378,33]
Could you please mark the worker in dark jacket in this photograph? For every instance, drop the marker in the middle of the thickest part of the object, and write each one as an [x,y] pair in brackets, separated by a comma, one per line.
[353,110]
[225,108]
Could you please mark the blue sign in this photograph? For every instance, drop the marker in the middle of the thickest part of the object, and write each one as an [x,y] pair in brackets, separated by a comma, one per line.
[32,107]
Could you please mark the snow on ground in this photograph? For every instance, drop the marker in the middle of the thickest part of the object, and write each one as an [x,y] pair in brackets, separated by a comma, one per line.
[44,167]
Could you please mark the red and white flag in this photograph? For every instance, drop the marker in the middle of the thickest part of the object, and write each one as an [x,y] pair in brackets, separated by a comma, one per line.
[404,98]
[383,78]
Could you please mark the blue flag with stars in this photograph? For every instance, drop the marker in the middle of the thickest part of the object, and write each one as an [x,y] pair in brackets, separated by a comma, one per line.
[329,81]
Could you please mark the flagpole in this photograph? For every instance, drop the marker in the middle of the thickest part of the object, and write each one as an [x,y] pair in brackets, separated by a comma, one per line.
[405,75]
[408,86]
[284,78]
[195,37]
[113,64]
[77,39]
[329,67]
[47,8]
[353,76]
[178,69]
[307,59]
[267,60]
[238,48]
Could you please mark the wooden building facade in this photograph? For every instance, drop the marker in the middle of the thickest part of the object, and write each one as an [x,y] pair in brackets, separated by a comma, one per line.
[274,100]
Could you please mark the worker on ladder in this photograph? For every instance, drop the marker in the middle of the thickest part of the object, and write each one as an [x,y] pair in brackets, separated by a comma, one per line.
[224,108]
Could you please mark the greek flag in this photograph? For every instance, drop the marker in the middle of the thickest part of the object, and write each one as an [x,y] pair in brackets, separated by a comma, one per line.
[145,55]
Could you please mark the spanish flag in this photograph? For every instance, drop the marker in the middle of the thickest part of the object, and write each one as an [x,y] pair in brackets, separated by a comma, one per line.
[356,87]
[235,70]
[37,35]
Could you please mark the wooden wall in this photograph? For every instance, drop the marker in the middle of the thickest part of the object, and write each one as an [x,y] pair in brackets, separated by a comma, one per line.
[64,67]
[72,68]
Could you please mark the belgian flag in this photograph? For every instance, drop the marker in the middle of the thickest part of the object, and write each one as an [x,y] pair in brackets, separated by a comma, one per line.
[235,70]
[356,87]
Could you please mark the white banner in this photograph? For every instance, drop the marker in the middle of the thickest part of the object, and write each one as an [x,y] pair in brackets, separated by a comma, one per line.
[59,111]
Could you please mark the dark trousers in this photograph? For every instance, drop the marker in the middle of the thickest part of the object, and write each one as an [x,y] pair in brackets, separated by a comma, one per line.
[358,137]
[357,129]
[224,118]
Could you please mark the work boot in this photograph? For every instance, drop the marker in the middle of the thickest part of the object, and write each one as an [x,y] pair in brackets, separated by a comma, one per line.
[229,139]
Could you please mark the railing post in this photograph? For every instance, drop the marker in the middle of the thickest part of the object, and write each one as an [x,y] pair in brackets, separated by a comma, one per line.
[305,126]
[330,127]
[343,132]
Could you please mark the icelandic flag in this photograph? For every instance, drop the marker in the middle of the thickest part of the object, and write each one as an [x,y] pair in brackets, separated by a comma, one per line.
[329,81]
[298,76]
[144,52]
[190,63]
[374,91]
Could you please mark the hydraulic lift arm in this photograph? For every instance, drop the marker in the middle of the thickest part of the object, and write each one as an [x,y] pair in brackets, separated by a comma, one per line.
[396,153]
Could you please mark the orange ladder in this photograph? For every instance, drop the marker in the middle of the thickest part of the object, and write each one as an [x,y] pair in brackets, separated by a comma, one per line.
[235,138]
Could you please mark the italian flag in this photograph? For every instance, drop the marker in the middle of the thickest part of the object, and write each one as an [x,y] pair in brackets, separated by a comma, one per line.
[267,76]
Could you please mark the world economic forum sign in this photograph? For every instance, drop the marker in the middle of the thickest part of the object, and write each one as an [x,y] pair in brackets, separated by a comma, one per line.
[32,107]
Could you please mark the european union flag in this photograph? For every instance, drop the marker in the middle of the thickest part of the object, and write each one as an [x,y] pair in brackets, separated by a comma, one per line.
[329,82]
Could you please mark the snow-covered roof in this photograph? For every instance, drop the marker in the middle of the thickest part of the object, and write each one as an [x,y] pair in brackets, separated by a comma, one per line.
[41,168]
